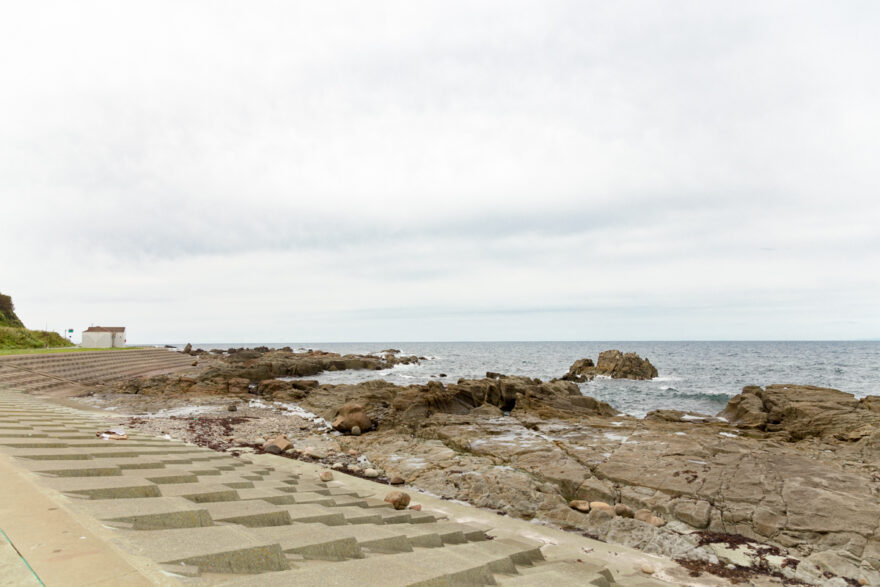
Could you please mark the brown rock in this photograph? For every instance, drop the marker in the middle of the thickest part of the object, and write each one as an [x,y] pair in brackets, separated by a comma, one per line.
[625,366]
[581,371]
[614,364]
[657,521]
[803,411]
[398,499]
[600,515]
[594,489]
[417,507]
[623,510]
[693,513]
[350,415]
[277,445]
[326,476]
[643,515]
[579,505]
[396,480]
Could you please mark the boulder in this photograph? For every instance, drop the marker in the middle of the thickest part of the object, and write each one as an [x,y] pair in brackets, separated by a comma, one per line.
[349,416]
[277,445]
[398,499]
[188,349]
[579,505]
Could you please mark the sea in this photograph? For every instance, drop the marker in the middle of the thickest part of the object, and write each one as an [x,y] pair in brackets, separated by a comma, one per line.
[693,376]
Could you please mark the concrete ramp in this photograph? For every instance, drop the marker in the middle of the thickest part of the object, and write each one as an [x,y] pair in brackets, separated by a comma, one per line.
[53,372]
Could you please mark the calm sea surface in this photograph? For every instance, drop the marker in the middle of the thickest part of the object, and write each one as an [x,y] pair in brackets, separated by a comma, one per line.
[695,376]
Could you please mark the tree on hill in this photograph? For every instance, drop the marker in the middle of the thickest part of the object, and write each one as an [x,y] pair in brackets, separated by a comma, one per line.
[7,313]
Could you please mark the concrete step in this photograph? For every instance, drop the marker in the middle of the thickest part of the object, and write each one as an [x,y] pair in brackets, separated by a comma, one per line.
[102,487]
[217,549]
[149,513]
[312,541]
[253,514]
[466,564]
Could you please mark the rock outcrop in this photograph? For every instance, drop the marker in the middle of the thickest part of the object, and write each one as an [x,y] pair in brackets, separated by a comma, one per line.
[256,372]
[796,412]
[614,364]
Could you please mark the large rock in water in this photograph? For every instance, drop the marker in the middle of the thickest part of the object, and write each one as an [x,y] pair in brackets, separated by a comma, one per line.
[625,366]
[801,411]
[613,363]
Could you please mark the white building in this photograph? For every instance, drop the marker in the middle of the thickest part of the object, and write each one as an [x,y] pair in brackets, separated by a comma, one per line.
[101,337]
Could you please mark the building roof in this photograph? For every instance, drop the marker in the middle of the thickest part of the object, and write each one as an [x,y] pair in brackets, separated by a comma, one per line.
[105,329]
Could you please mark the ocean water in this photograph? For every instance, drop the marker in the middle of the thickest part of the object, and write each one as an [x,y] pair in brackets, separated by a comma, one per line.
[694,376]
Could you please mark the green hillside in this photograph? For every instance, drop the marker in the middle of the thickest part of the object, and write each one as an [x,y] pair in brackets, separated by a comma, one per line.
[13,334]
[7,313]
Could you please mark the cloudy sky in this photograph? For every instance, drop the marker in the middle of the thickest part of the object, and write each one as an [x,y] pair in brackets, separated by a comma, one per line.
[356,171]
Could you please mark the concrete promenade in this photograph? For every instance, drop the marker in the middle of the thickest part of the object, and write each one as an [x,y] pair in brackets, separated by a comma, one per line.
[80,510]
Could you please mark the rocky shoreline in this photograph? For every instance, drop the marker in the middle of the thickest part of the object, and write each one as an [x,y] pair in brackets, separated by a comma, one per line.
[784,482]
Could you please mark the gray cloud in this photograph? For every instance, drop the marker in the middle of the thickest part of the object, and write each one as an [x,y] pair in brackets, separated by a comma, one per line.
[403,170]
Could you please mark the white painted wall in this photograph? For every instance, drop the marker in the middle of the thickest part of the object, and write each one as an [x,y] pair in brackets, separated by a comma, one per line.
[97,340]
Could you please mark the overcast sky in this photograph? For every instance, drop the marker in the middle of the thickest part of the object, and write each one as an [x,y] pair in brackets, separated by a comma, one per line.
[357,171]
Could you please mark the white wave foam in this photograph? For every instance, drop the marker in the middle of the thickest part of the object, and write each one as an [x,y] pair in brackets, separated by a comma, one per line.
[183,411]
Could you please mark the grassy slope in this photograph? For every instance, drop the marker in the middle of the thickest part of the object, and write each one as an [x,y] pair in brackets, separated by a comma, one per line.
[22,338]
[13,334]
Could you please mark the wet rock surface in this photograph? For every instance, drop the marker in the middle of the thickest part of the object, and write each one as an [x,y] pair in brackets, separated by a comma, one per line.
[794,469]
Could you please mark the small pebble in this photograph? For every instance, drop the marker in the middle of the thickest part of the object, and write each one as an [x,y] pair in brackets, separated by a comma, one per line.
[397,480]
[371,473]
[355,430]
[647,569]
[326,476]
